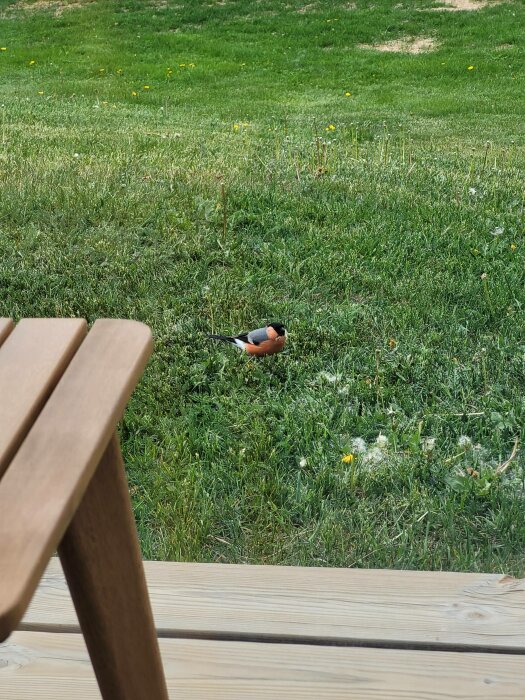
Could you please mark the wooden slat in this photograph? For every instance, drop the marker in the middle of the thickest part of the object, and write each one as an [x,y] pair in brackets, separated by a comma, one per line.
[32,360]
[48,475]
[6,326]
[45,666]
[342,606]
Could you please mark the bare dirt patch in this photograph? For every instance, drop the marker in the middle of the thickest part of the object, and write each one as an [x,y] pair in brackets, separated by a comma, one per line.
[56,6]
[414,44]
[464,5]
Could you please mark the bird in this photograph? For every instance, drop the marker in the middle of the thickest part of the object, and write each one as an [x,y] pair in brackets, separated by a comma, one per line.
[259,342]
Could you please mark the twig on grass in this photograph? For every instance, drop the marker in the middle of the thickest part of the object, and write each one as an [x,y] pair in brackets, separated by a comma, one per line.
[504,465]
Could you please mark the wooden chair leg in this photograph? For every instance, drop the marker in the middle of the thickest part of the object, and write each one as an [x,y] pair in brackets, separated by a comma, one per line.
[102,562]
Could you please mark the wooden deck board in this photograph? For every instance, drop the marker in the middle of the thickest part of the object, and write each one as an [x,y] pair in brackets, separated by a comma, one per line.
[345,606]
[56,667]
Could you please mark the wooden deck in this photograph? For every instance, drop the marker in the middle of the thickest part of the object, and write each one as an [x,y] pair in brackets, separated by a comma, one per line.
[256,632]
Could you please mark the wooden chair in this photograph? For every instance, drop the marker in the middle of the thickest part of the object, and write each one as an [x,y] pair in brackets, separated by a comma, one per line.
[63,485]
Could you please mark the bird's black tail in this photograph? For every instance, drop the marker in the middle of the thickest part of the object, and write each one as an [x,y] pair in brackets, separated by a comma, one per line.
[224,338]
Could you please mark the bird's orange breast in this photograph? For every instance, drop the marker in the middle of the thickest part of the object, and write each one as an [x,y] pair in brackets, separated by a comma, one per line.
[267,347]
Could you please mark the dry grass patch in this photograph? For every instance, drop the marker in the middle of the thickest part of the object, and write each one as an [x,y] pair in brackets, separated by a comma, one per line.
[307,8]
[56,6]
[464,5]
[412,45]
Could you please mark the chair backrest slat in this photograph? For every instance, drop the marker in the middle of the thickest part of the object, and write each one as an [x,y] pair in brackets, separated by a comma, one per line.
[48,476]
[32,359]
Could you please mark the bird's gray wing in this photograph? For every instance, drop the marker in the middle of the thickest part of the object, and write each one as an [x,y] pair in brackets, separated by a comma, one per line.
[258,336]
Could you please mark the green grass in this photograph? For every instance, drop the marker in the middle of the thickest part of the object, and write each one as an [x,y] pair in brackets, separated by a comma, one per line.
[369,241]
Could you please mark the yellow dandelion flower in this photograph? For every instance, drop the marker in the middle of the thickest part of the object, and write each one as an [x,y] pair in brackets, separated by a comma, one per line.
[101,70]
[133,93]
[3,48]
[236,127]
[513,246]
[32,63]
[182,65]
[330,127]
[146,87]
[471,68]
[40,92]
[191,65]
[348,458]
[347,94]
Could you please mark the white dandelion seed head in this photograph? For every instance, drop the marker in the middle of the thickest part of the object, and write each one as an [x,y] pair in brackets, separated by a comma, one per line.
[373,456]
[330,378]
[472,191]
[465,442]
[382,441]
[358,446]
[303,462]
[428,444]
[498,231]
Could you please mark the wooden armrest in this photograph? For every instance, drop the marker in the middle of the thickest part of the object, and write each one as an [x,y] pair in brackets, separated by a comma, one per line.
[46,479]
[6,326]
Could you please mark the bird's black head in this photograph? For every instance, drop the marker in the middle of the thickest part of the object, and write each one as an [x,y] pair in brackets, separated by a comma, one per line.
[278,328]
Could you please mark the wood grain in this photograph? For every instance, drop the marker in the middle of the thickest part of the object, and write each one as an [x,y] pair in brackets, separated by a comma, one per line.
[426,609]
[101,556]
[6,326]
[47,478]
[56,667]
[32,360]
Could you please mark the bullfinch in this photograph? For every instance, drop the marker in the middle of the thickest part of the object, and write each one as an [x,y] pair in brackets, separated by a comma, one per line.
[260,342]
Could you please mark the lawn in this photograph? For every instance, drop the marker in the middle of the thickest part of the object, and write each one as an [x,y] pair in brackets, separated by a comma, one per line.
[208,166]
